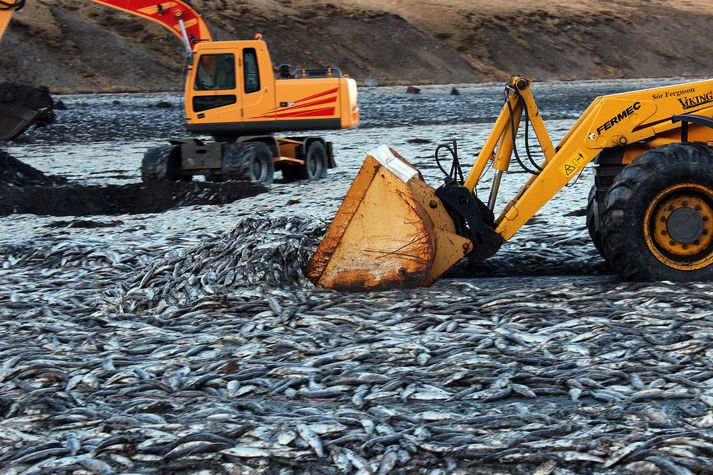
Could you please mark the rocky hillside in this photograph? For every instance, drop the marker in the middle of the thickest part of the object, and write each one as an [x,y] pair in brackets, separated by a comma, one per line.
[76,45]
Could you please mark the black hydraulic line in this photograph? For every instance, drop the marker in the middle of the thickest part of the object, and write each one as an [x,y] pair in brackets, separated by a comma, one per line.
[527,142]
[514,135]
[11,4]
[527,130]
[456,173]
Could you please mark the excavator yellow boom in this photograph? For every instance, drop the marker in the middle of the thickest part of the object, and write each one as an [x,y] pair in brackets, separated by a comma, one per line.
[651,215]
[179,17]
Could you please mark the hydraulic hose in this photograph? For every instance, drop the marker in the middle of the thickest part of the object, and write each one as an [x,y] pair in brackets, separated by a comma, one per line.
[456,173]
[514,134]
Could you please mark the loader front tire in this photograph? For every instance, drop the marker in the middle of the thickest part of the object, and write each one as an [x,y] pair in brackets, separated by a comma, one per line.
[657,217]
[314,167]
[159,164]
[593,224]
[248,161]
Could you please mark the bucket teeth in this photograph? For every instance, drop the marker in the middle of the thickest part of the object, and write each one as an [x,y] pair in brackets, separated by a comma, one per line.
[391,231]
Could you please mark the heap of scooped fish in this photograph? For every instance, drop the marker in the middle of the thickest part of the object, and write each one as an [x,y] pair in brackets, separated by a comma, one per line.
[546,375]
[257,252]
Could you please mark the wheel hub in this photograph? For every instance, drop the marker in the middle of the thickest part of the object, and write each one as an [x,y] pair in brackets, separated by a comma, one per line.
[679,226]
[685,225]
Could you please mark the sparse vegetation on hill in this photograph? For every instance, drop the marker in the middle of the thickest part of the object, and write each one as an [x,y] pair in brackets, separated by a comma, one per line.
[78,45]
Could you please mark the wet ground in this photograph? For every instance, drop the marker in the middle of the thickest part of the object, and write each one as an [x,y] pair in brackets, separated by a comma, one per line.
[128,335]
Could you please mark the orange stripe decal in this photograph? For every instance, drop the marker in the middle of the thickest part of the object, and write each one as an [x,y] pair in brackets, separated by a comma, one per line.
[289,110]
[331,91]
[298,101]
[329,100]
[310,113]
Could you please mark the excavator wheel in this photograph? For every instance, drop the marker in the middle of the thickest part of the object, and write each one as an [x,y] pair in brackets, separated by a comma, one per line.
[593,221]
[250,161]
[159,164]
[657,217]
[315,165]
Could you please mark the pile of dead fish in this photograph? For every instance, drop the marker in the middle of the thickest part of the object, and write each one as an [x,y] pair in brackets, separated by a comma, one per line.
[182,371]
[60,275]
[592,376]
[13,173]
[257,252]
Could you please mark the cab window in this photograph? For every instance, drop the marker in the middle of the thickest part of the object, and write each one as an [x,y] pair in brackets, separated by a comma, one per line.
[252,73]
[216,72]
[204,103]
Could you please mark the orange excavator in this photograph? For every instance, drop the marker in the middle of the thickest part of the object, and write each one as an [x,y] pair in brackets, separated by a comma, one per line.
[233,94]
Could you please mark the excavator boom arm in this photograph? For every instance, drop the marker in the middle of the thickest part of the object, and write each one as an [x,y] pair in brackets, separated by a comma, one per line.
[7,9]
[179,17]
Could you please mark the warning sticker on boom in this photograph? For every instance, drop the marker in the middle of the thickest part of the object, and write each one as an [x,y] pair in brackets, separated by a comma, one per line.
[574,163]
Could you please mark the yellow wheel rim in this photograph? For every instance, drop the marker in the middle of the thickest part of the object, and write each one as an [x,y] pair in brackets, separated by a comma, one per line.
[678,226]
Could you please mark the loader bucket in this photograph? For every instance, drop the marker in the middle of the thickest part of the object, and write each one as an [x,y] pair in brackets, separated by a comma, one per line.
[391,231]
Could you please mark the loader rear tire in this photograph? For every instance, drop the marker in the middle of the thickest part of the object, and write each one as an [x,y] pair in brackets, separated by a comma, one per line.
[657,217]
[314,167]
[159,164]
[593,221]
[249,161]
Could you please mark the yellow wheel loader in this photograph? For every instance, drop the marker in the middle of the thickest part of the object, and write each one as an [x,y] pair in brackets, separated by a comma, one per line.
[233,94]
[650,213]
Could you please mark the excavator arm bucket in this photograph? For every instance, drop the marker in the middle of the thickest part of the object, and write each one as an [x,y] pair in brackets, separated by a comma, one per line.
[15,119]
[391,231]
[22,106]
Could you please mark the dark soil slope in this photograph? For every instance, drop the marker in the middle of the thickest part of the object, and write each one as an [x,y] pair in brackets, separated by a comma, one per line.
[76,45]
